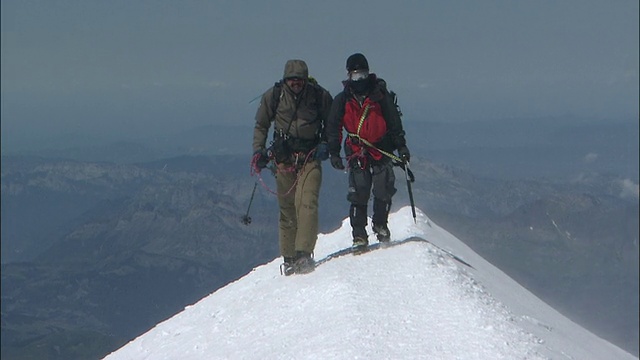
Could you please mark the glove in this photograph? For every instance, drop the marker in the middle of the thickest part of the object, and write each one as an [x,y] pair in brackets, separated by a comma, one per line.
[262,160]
[322,152]
[404,154]
[336,162]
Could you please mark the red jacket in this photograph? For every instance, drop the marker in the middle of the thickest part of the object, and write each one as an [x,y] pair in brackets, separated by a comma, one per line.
[382,126]
[365,126]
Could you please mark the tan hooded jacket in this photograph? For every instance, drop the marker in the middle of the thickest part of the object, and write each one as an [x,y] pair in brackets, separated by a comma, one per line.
[301,116]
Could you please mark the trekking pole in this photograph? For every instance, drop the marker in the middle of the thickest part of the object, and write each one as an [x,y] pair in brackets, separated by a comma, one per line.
[246,219]
[410,178]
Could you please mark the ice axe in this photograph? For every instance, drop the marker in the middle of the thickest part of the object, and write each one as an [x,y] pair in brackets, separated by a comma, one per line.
[408,174]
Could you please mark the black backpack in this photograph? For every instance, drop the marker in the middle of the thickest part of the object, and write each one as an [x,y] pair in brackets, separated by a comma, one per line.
[392,94]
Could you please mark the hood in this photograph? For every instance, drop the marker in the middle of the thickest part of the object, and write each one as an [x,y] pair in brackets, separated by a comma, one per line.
[296,68]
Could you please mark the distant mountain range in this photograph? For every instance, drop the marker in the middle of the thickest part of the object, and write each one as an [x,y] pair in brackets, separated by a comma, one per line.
[120,235]
[506,149]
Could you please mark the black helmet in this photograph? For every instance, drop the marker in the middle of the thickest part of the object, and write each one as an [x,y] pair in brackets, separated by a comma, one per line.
[357,61]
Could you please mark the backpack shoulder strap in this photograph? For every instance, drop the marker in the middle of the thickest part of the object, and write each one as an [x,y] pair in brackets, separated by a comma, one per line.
[317,89]
[319,94]
[275,96]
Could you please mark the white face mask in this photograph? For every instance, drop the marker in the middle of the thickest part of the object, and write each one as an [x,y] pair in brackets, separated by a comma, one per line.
[358,75]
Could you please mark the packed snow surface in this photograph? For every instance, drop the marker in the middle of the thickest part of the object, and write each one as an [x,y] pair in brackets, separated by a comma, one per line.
[427,296]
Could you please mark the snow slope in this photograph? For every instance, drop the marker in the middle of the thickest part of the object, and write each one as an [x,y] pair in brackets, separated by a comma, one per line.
[428,296]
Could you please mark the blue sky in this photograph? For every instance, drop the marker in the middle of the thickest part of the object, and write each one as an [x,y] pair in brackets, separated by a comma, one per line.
[128,68]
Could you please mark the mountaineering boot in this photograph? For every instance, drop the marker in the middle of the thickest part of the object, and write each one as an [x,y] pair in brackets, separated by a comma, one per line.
[304,263]
[382,232]
[286,268]
[358,219]
[360,239]
[360,245]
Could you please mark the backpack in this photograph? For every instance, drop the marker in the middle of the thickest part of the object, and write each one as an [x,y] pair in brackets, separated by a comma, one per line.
[392,94]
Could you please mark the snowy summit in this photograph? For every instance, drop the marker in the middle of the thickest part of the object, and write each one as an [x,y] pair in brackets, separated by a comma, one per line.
[427,296]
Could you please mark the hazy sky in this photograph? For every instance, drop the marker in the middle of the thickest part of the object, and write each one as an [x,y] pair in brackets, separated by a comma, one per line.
[129,68]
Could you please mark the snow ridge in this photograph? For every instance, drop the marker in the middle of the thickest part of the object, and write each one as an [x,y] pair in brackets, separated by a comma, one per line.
[428,298]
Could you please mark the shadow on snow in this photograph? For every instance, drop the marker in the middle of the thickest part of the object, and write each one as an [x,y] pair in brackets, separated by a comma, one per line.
[378,245]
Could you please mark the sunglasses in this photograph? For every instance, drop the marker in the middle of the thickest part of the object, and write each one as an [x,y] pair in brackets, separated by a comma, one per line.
[294,79]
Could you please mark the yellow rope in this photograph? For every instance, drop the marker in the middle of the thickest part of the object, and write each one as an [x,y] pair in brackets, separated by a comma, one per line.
[365,113]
